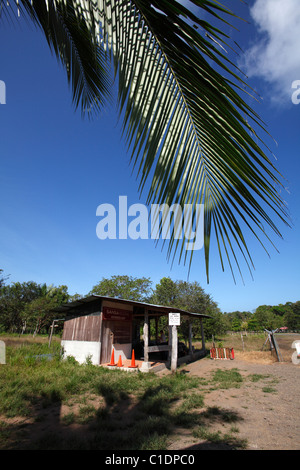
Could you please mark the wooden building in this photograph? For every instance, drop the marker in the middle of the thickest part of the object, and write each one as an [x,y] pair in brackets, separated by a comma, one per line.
[96,325]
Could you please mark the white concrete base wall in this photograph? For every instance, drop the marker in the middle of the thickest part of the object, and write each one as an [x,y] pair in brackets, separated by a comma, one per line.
[122,349]
[82,350]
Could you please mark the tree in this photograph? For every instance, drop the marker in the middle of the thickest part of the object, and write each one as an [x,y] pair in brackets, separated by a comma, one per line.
[267,319]
[29,305]
[252,324]
[165,293]
[295,307]
[186,122]
[2,278]
[13,299]
[238,320]
[58,294]
[291,317]
[292,321]
[236,324]
[124,287]
[38,314]
[191,297]
[216,325]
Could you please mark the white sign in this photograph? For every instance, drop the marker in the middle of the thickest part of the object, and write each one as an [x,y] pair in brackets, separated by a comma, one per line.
[2,353]
[174,319]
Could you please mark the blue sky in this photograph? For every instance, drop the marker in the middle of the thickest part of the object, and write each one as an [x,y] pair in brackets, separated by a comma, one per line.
[56,168]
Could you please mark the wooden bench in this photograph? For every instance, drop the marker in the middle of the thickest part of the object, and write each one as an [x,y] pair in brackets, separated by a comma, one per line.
[159,348]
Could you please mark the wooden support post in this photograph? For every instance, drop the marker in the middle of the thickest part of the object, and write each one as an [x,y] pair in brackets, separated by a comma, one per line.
[53,325]
[190,338]
[242,341]
[51,333]
[146,365]
[170,345]
[156,329]
[202,334]
[146,336]
[174,351]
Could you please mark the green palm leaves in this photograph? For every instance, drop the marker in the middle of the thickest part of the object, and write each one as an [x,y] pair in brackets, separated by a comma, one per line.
[72,40]
[185,122]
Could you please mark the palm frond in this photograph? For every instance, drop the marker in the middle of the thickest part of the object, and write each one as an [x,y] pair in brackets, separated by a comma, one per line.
[69,37]
[184,118]
[187,125]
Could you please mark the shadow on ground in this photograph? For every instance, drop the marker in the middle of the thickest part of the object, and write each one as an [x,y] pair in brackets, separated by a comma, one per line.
[118,421]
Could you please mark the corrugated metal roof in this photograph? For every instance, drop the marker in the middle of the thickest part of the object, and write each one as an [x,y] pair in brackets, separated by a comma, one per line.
[68,307]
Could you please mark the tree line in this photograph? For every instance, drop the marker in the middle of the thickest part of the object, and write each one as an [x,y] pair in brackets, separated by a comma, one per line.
[30,307]
[266,317]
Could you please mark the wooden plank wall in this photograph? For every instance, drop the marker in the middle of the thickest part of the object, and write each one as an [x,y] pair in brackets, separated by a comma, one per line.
[107,342]
[114,332]
[85,328]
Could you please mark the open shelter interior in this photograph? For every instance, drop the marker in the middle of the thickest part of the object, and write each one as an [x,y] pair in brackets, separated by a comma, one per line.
[96,326]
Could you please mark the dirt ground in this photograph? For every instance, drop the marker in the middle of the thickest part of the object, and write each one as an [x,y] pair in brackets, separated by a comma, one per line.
[267,410]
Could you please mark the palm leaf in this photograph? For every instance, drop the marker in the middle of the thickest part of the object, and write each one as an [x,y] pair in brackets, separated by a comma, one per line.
[185,121]
[187,125]
[69,37]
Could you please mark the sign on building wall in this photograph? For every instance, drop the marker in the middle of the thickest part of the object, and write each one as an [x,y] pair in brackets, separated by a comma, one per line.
[116,314]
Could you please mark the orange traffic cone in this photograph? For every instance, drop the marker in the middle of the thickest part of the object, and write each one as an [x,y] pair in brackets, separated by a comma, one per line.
[120,362]
[112,359]
[133,365]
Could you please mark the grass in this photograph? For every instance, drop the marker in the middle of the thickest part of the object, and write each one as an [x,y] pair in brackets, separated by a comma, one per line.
[268,389]
[257,377]
[228,378]
[114,409]
[55,404]
[216,437]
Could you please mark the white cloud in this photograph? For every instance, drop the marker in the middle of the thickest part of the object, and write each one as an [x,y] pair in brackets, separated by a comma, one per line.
[275,57]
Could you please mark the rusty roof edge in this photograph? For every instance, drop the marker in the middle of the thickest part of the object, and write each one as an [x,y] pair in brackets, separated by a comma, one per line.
[69,306]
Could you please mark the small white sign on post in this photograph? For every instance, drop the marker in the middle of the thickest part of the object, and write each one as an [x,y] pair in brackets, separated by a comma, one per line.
[2,353]
[174,319]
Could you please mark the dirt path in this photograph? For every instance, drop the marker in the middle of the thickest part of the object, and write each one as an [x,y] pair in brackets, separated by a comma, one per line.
[266,406]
